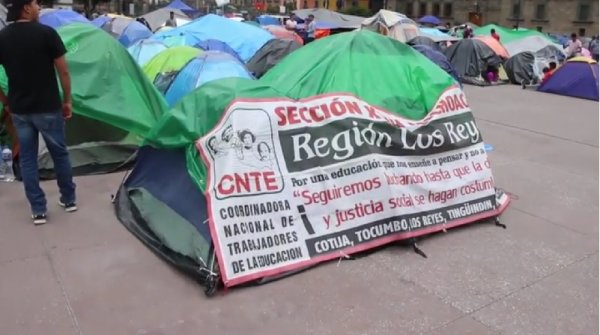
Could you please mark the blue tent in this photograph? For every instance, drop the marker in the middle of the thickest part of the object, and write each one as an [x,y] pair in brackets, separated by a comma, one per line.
[134,32]
[439,59]
[216,45]
[56,18]
[430,19]
[143,50]
[208,66]
[243,38]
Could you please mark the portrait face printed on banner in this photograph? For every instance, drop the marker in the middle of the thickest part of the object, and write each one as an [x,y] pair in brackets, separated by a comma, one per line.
[243,157]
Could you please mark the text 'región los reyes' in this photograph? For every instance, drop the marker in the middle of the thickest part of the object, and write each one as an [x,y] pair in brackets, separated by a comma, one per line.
[349,138]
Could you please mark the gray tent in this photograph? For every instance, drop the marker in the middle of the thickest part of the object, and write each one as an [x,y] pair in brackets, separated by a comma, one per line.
[520,68]
[269,55]
[471,58]
[527,67]
[551,52]
[334,19]
[159,17]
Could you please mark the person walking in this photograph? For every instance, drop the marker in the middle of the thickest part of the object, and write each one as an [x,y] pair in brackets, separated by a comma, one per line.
[32,54]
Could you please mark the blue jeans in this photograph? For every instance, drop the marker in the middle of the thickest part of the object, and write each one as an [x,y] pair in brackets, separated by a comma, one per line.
[52,128]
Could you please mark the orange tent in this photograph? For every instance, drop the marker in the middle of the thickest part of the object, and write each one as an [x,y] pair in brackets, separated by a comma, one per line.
[496,46]
[281,33]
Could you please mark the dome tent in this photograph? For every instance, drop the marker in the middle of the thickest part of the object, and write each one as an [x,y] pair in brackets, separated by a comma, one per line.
[144,50]
[577,77]
[114,105]
[126,30]
[243,38]
[56,18]
[395,25]
[179,70]
[470,58]
[270,54]
[164,201]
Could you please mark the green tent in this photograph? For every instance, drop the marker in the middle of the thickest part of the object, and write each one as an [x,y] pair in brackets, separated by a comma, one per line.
[164,200]
[508,35]
[523,40]
[114,104]
[170,60]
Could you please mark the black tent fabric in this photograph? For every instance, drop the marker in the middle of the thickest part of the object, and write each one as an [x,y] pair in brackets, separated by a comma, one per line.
[551,53]
[269,55]
[424,40]
[519,68]
[471,58]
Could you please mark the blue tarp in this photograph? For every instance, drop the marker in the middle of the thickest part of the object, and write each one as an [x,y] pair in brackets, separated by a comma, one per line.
[266,20]
[134,32]
[208,66]
[60,17]
[178,4]
[243,38]
[430,19]
[144,50]
[433,32]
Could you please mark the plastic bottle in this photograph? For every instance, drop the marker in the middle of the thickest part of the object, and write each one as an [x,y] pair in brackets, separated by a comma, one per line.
[7,165]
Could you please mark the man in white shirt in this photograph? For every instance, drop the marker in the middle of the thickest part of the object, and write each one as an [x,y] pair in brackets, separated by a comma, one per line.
[574,46]
[171,22]
[310,29]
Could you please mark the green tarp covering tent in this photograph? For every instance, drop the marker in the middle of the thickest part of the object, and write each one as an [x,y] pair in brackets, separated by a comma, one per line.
[522,40]
[114,104]
[167,199]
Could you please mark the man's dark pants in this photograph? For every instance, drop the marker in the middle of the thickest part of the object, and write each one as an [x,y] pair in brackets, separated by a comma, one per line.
[52,128]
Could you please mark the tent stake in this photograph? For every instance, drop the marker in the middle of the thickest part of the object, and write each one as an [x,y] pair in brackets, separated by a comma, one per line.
[498,223]
[417,249]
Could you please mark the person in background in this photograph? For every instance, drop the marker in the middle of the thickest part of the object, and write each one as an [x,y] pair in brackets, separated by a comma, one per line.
[310,29]
[467,32]
[574,46]
[594,46]
[495,35]
[547,74]
[290,24]
[32,54]
[171,22]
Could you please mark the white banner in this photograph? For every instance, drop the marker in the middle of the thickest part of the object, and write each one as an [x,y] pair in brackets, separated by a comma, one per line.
[292,183]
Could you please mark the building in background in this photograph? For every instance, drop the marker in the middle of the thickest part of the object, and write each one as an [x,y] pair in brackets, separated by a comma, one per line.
[566,16]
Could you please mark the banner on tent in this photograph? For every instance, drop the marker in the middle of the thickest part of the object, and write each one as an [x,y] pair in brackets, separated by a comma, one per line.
[292,183]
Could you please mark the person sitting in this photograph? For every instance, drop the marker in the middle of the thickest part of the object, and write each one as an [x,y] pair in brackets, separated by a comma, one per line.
[491,74]
[547,74]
